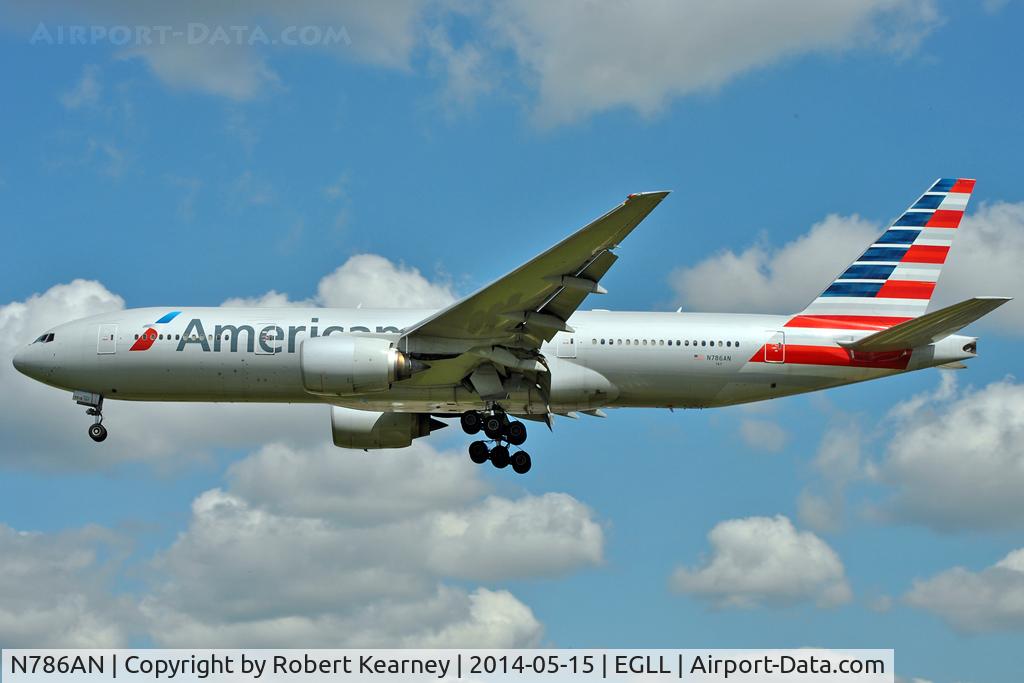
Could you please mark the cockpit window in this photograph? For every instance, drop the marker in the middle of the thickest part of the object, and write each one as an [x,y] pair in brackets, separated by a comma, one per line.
[44,338]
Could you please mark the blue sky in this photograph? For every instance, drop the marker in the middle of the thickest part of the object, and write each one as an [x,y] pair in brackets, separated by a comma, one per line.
[456,144]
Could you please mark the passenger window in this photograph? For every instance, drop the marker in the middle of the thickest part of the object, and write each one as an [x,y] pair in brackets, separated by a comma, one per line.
[703,343]
[636,342]
[627,342]
[670,342]
[719,342]
[687,342]
[661,342]
[645,342]
[594,342]
[728,343]
[736,344]
[620,342]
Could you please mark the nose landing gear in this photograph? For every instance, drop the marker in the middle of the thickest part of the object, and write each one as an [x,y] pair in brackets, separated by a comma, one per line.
[94,403]
[97,432]
[500,430]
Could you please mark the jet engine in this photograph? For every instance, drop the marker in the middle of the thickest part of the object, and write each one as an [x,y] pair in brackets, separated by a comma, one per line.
[372,429]
[343,365]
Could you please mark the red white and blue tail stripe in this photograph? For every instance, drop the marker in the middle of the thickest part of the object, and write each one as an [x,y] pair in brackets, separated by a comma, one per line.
[894,278]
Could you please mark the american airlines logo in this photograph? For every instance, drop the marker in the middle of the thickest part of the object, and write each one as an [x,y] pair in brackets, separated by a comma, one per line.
[271,338]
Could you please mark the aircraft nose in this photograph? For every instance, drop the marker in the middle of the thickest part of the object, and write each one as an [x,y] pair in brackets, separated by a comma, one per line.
[20,364]
[24,363]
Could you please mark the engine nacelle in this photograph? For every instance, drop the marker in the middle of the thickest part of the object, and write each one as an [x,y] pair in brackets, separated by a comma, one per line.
[372,429]
[344,365]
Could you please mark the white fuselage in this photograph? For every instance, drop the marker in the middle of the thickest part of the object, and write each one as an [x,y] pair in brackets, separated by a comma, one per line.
[611,359]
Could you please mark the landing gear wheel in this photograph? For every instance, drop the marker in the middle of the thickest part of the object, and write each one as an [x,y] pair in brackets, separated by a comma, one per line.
[521,462]
[516,433]
[494,427]
[471,422]
[478,452]
[499,457]
[97,432]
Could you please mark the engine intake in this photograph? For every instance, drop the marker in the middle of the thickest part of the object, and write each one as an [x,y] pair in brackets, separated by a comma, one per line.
[372,429]
[343,365]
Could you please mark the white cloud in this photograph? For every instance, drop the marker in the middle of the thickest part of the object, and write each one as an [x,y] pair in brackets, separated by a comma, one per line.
[353,487]
[880,604]
[820,512]
[985,260]
[449,618]
[222,48]
[189,187]
[232,71]
[313,548]
[467,69]
[366,280]
[271,299]
[53,591]
[348,552]
[86,92]
[763,435]
[766,279]
[839,462]
[956,458]
[514,538]
[376,282]
[587,57]
[765,561]
[989,600]
[575,58]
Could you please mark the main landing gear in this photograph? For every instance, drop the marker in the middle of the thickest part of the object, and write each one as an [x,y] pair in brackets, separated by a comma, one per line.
[503,433]
[94,409]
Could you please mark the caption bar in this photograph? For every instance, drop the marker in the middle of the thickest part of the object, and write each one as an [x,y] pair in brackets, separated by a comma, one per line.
[738,666]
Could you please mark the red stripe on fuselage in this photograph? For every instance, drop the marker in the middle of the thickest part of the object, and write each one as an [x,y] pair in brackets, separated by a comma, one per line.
[799,354]
[944,218]
[144,341]
[925,253]
[905,289]
[846,322]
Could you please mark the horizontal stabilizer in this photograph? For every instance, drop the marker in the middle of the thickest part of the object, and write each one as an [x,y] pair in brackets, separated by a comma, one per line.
[930,327]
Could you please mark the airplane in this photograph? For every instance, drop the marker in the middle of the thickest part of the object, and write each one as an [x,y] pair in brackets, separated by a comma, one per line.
[520,349]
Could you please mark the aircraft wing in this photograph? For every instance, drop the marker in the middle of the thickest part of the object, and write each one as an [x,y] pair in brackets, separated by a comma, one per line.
[532,303]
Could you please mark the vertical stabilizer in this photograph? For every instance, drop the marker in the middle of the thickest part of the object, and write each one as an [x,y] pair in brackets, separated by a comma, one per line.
[893,280]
